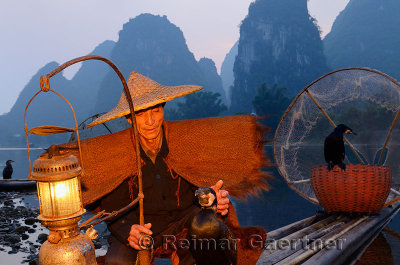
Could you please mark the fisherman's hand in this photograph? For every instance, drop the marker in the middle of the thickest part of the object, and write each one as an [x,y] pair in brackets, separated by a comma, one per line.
[222,198]
[137,233]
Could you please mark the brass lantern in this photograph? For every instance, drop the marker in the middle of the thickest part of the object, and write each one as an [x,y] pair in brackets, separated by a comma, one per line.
[58,185]
[61,207]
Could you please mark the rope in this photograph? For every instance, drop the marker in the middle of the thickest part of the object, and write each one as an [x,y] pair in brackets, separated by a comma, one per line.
[177,191]
[174,177]
[132,182]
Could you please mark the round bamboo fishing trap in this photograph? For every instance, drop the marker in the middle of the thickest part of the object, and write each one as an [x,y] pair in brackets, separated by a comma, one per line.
[366,100]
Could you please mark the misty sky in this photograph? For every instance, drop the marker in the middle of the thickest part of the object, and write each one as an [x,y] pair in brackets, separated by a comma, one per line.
[33,33]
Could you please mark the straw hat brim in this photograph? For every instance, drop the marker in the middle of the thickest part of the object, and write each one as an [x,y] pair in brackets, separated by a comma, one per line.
[145,93]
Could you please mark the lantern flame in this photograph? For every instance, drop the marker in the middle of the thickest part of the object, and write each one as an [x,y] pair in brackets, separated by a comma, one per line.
[60,190]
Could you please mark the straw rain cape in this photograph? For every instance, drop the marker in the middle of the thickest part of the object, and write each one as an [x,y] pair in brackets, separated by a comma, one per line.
[201,151]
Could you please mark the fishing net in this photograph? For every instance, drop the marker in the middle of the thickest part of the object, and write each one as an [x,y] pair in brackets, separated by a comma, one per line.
[366,100]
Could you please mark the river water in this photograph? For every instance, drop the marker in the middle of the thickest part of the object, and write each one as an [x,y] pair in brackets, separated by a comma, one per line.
[276,208]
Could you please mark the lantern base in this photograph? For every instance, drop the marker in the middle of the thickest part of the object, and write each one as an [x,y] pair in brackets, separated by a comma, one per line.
[62,229]
[77,250]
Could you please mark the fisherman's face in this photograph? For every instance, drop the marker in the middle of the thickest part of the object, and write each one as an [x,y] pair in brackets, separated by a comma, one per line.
[149,122]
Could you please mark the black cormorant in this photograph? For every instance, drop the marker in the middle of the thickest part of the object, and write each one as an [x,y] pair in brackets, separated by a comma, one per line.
[334,147]
[212,243]
[8,170]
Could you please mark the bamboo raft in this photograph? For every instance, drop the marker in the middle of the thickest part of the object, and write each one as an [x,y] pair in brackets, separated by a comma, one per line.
[325,238]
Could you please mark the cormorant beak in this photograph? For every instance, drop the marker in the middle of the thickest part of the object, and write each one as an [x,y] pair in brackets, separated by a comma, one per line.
[201,196]
[205,200]
[350,132]
[199,193]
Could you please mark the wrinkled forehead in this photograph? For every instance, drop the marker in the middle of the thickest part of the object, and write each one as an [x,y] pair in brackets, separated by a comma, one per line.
[161,105]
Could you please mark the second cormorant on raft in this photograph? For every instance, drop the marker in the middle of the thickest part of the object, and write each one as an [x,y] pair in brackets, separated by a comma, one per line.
[8,170]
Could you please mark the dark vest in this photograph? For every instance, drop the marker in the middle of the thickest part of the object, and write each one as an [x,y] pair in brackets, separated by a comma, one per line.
[160,203]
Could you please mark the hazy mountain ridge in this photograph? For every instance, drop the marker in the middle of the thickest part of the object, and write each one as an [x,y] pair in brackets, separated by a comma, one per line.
[50,109]
[211,77]
[148,44]
[45,109]
[89,77]
[227,70]
[366,34]
[279,44]
[156,48]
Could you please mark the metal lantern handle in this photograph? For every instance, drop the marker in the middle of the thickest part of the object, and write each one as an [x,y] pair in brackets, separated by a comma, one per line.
[45,130]
[45,87]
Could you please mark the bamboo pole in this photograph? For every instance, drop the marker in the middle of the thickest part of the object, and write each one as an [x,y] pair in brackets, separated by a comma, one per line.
[291,228]
[325,242]
[388,136]
[299,242]
[300,181]
[280,243]
[395,191]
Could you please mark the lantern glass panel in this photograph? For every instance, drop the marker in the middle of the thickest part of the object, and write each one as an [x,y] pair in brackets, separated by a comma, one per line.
[59,198]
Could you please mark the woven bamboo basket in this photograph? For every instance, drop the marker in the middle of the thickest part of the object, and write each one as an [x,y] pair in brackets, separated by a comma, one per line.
[361,188]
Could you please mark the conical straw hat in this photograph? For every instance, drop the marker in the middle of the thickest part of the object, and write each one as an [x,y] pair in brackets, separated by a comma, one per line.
[145,93]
